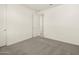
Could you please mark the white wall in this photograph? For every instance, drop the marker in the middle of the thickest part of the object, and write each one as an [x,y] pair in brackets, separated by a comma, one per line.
[62,23]
[19,23]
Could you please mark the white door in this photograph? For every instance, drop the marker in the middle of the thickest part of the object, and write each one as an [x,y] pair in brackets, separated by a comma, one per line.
[36,25]
[2,26]
[2,37]
[42,25]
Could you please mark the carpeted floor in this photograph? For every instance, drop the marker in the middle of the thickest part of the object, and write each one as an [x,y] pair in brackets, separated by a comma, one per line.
[39,46]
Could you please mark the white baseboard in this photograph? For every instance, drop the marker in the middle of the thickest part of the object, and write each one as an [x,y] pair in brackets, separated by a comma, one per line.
[66,41]
[17,41]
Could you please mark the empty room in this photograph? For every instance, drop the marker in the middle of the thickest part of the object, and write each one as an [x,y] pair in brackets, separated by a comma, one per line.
[39,29]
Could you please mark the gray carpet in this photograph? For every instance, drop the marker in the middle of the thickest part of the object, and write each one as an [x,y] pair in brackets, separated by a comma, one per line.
[39,46]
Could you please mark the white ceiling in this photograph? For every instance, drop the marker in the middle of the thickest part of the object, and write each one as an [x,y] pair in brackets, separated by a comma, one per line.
[39,7]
